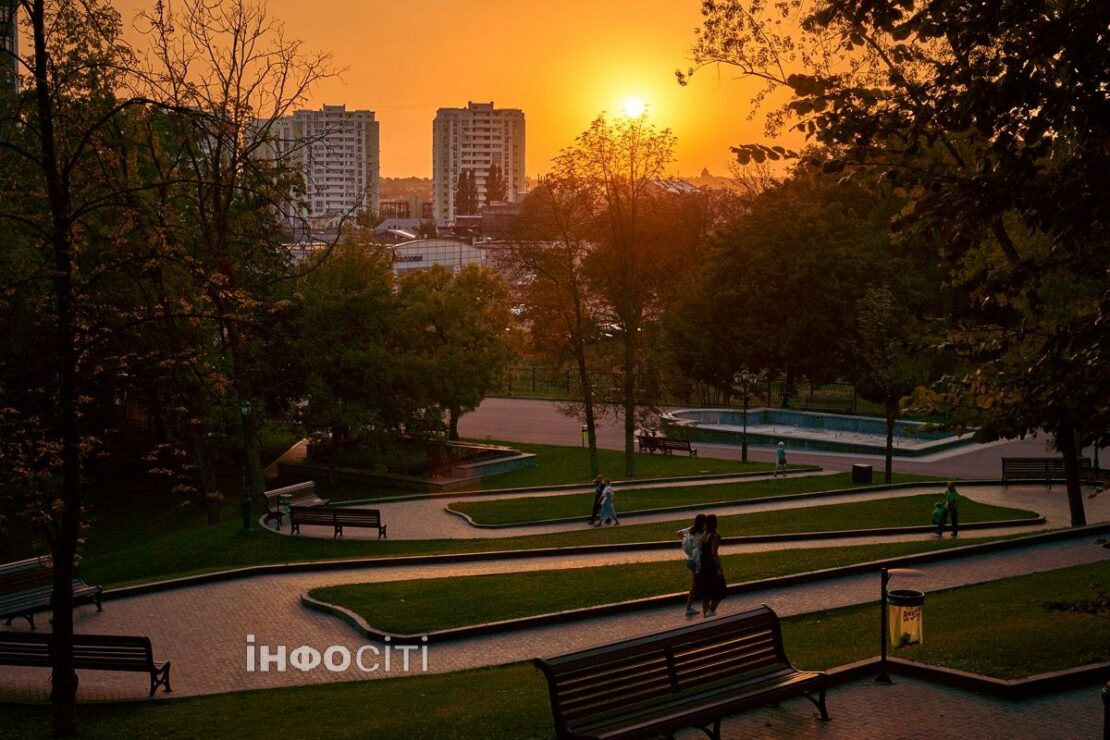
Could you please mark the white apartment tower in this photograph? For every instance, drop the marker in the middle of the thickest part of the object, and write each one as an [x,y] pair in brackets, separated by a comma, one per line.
[338,151]
[472,139]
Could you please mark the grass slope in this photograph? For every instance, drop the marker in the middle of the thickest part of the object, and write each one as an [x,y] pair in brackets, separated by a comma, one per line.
[431,604]
[132,546]
[568,506]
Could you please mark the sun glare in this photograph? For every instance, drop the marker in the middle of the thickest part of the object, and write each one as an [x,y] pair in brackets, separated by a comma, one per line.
[634,107]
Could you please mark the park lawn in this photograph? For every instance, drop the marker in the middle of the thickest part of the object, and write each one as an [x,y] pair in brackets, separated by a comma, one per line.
[576,506]
[126,550]
[431,604]
[558,465]
[1003,628]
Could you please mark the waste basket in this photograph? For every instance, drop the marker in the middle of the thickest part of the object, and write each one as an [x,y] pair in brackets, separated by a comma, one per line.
[905,617]
[861,473]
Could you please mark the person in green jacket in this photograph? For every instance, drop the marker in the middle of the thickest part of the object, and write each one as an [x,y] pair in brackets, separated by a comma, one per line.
[951,511]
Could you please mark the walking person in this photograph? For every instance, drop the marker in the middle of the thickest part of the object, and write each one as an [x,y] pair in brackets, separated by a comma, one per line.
[951,511]
[598,486]
[780,460]
[709,582]
[691,545]
[607,513]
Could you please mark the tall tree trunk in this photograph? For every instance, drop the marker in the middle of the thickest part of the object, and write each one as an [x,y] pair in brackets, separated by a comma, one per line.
[1065,443]
[453,424]
[209,484]
[628,383]
[891,417]
[588,406]
[66,526]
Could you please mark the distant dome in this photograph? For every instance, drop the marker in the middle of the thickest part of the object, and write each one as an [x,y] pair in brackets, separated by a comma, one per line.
[705,172]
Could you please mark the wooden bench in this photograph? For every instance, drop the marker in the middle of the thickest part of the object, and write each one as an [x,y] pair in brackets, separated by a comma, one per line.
[668,446]
[90,652]
[687,677]
[26,587]
[1044,469]
[300,494]
[338,518]
[648,442]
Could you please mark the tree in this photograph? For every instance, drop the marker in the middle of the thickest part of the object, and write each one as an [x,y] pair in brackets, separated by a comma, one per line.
[466,194]
[65,185]
[458,335]
[615,164]
[348,354]
[230,70]
[989,118]
[562,313]
[496,187]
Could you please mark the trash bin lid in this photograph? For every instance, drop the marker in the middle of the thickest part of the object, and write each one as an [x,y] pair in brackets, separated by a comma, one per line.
[905,597]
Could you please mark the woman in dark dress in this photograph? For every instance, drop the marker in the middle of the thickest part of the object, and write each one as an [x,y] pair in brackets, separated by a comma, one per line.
[710,579]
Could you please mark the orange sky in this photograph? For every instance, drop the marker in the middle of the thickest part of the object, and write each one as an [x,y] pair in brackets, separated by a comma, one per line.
[561,61]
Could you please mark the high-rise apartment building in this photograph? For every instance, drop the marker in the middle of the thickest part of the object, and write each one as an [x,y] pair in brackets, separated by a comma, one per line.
[337,150]
[472,139]
[9,44]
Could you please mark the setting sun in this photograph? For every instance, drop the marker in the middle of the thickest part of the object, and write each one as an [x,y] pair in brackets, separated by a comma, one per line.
[634,107]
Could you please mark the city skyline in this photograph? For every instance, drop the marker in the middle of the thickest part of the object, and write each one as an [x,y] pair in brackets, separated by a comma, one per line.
[561,65]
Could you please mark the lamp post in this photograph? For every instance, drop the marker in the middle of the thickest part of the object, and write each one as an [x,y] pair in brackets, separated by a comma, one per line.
[245,490]
[887,574]
[744,380]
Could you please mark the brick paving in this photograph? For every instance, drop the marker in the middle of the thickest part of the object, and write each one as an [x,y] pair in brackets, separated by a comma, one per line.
[203,629]
[917,709]
[427,518]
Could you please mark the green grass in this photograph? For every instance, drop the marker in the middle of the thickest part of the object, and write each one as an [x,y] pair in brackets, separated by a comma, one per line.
[427,605]
[503,702]
[129,545]
[558,466]
[1001,629]
[568,506]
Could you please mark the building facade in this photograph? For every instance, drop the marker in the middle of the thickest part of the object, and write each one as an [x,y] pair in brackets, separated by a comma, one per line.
[337,150]
[473,139]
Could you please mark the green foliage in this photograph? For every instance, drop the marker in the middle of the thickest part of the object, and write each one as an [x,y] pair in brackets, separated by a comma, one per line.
[458,332]
[496,187]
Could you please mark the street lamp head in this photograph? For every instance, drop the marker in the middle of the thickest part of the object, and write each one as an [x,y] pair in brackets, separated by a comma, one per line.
[245,408]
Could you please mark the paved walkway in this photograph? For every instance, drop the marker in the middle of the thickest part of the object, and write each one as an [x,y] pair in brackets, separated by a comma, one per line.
[525,420]
[427,519]
[203,629]
[917,709]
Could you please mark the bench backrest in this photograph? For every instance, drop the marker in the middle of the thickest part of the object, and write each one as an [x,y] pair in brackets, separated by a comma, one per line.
[315,514]
[110,652]
[35,574]
[1041,466]
[614,679]
[297,490]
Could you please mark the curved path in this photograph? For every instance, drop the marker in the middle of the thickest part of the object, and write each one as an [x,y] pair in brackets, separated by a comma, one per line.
[203,629]
[424,519]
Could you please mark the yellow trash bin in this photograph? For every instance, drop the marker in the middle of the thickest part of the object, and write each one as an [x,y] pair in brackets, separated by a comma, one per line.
[905,617]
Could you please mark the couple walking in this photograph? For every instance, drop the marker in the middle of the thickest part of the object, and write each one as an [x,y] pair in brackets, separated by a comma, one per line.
[603,513]
[701,542]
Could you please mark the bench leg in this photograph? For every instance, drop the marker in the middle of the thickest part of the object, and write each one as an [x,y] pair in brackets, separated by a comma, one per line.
[819,702]
[162,680]
[714,733]
[338,531]
[381,532]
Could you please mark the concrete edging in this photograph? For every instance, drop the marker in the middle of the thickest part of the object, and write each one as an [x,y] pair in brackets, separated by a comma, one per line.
[745,502]
[651,602]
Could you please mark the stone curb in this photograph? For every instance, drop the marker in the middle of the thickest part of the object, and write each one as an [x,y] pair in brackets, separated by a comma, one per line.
[568,487]
[792,579]
[744,502]
[313,566]
[1012,689]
